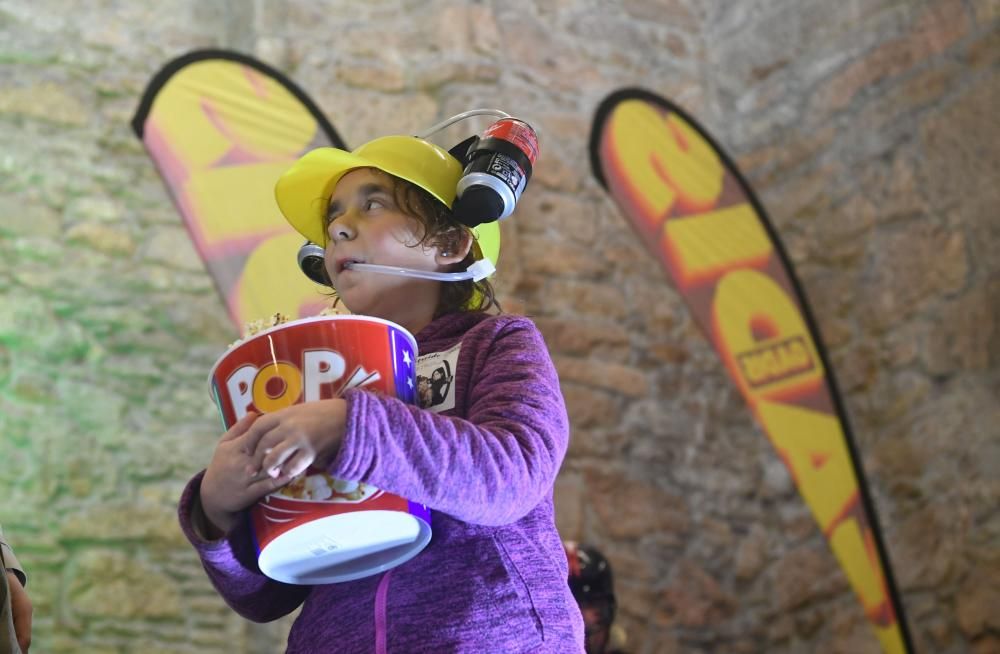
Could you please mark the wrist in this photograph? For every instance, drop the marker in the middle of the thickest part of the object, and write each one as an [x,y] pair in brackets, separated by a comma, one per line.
[325,457]
[217,526]
[213,523]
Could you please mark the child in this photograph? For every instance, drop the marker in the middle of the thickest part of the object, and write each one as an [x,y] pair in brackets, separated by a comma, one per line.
[484,459]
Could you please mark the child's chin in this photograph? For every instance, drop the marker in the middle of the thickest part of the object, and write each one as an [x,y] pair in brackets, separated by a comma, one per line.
[356,305]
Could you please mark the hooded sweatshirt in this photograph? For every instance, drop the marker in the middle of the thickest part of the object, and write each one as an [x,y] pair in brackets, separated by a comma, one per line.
[494,576]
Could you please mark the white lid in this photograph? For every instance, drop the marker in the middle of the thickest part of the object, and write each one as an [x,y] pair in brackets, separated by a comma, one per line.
[344,547]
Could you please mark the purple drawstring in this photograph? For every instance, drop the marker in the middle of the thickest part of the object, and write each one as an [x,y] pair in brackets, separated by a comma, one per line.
[380,618]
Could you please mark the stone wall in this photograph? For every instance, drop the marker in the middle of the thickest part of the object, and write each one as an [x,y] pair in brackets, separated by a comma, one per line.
[869,131]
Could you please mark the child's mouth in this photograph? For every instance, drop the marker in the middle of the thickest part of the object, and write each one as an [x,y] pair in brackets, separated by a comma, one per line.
[345,264]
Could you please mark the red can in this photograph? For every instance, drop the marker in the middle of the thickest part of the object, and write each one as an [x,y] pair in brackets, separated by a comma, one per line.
[319,529]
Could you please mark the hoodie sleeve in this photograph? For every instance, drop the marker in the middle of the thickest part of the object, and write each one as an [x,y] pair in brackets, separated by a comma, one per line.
[231,564]
[490,467]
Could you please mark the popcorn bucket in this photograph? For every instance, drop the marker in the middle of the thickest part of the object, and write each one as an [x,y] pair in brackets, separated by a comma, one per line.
[319,529]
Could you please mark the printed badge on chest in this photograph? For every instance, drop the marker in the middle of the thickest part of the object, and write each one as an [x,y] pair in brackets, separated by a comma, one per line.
[435,379]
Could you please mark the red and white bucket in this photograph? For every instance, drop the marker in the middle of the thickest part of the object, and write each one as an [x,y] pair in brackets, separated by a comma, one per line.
[319,529]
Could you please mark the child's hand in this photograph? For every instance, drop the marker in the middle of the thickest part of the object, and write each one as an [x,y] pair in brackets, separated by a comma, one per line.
[284,443]
[227,489]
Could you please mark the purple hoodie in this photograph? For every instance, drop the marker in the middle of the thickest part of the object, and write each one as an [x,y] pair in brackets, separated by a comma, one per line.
[494,576]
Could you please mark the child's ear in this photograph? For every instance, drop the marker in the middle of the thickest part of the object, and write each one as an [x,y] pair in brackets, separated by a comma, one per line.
[453,247]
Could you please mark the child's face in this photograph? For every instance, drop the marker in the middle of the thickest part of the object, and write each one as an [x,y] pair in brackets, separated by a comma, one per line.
[365,225]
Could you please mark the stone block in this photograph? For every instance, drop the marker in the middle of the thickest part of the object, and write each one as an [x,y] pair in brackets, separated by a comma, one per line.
[776,480]
[986,645]
[172,248]
[554,172]
[774,164]
[93,210]
[435,74]
[102,238]
[568,497]
[849,632]
[901,196]
[856,367]
[679,13]
[984,51]
[962,333]
[589,409]
[669,354]
[640,596]
[552,217]
[45,101]
[888,115]
[942,24]
[925,551]
[967,407]
[804,575]
[557,258]
[934,633]
[608,376]
[115,522]
[465,28]
[976,601]
[631,508]
[950,168]
[28,220]
[885,61]
[648,558]
[591,299]
[110,584]
[538,53]
[563,336]
[910,266]
[895,458]
[937,29]
[985,11]
[781,628]
[893,395]
[715,546]
[694,598]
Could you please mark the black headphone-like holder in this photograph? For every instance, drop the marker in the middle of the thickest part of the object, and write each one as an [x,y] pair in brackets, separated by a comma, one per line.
[312,263]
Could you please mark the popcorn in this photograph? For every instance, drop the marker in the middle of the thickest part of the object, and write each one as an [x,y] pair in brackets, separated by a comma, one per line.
[260,324]
[319,486]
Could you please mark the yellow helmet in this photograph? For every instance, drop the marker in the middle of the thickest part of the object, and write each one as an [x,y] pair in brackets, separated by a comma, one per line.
[303,191]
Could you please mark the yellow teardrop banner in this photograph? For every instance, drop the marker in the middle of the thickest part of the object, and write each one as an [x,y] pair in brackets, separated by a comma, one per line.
[700,219]
[221,127]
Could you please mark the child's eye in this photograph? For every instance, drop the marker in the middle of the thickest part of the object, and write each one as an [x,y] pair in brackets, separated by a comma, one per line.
[374,203]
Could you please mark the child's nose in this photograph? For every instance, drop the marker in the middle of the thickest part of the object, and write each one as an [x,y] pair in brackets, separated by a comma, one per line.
[342,229]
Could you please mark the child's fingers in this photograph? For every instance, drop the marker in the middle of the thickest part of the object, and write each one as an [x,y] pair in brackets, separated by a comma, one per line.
[253,436]
[240,427]
[295,464]
[265,485]
[274,460]
[266,451]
